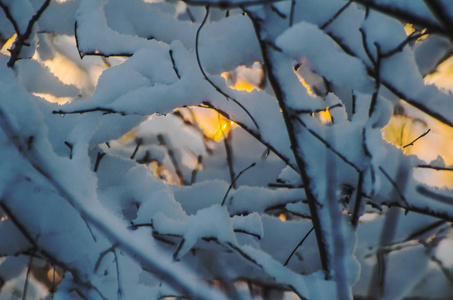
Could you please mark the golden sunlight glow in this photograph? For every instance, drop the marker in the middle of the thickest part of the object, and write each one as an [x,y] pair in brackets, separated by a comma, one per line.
[53,276]
[4,218]
[244,78]
[306,85]
[443,76]
[240,85]
[214,125]
[402,130]
[282,217]
[223,127]
[66,70]
[53,99]
[325,116]
[409,28]
[8,45]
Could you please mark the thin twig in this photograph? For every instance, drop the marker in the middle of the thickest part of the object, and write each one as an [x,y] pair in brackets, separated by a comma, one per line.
[366,48]
[310,111]
[243,254]
[102,255]
[173,159]
[412,143]
[234,181]
[70,146]
[434,168]
[425,230]
[335,16]
[22,38]
[99,156]
[284,185]
[173,63]
[328,146]
[229,153]
[118,277]
[18,224]
[278,12]
[135,226]
[193,178]
[197,38]
[82,111]
[139,142]
[249,233]
[298,245]
[358,201]
[230,5]
[27,277]
[291,13]
[377,79]
[412,37]
[395,186]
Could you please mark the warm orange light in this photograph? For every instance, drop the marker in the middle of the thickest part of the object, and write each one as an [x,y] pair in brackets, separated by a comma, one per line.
[244,78]
[402,130]
[53,99]
[214,125]
[282,217]
[244,85]
[325,116]
[223,129]
[8,45]
[53,276]
[306,85]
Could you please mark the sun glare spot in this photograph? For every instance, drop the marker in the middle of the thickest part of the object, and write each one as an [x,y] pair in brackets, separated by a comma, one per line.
[408,130]
[244,78]
[282,217]
[53,99]
[325,116]
[306,85]
[8,45]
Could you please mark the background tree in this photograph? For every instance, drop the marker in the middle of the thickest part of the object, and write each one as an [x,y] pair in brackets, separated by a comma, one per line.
[226,149]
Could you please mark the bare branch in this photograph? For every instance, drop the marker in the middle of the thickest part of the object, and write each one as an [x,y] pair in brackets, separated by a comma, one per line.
[412,143]
[434,168]
[358,201]
[395,186]
[234,181]
[197,38]
[225,4]
[174,65]
[99,156]
[173,159]
[328,146]
[106,111]
[22,38]
[298,245]
[335,16]
[138,142]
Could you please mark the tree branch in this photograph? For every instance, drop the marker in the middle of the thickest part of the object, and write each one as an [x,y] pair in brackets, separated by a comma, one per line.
[22,38]
[197,38]
[234,181]
[298,245]
[412,143]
